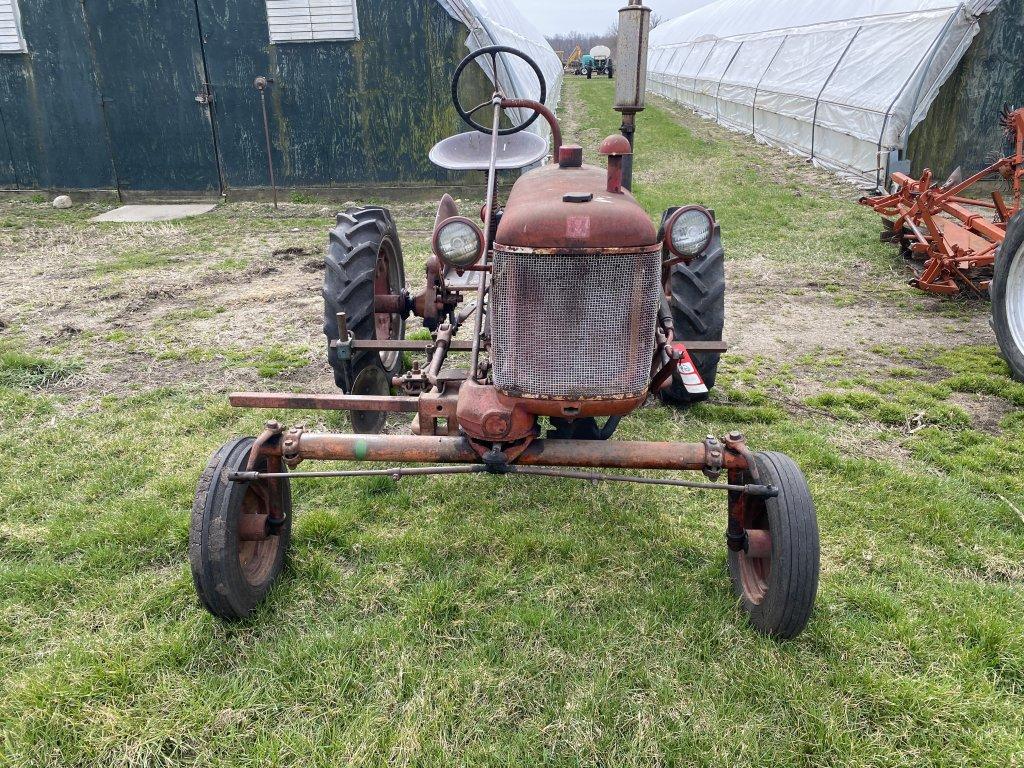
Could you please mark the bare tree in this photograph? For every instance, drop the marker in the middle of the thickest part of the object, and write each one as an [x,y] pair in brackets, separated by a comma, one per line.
[657,20]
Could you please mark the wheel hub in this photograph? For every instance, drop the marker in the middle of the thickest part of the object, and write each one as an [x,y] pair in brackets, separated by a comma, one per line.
[256,555]
[756,562]
[386,279]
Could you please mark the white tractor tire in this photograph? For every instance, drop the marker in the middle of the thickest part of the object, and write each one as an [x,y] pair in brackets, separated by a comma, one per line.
[1008,297]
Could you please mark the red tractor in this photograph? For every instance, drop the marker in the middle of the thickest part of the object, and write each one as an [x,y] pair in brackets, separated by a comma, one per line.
[578,310]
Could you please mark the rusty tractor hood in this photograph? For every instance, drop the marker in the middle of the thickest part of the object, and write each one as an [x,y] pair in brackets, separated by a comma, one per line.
[537,214]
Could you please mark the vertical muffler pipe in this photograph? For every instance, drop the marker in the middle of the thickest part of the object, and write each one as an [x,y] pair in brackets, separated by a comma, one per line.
[631,73]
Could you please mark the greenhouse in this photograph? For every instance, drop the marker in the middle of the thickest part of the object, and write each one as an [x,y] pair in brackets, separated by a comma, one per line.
[842,83]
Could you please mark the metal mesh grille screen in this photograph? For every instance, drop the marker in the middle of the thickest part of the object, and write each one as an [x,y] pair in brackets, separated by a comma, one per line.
[574,326]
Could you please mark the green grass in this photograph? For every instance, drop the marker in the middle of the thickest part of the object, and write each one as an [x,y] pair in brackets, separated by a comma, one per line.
[479,621]
[20,369]
[133,261]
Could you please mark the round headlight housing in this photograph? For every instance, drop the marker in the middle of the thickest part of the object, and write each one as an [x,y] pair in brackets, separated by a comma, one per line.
[459,242]
[689,231]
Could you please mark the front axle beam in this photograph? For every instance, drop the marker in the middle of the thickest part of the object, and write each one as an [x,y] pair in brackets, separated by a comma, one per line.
[410,449]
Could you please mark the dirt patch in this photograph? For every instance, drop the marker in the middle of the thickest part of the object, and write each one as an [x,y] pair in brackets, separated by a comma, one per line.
[139,304]
[986,411]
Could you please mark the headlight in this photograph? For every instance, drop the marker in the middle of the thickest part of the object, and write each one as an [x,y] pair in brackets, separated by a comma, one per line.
[459,243]
[689,231]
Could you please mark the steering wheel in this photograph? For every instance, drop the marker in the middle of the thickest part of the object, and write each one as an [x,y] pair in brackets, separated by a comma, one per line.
[493,52]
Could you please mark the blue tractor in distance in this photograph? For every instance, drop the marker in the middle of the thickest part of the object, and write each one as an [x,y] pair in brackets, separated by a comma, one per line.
[598,61]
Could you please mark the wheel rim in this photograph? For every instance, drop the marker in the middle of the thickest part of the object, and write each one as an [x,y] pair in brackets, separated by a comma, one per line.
[1014,298]
[371,381]
[387,281]
[257,558]
[755,571]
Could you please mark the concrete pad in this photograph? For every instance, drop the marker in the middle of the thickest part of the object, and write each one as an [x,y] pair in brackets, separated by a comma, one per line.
[129,213]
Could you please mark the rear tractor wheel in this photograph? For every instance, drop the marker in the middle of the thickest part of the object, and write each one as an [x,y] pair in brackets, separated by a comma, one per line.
[697,300]
[776,577]
[364,264]
[235,547]
[1008,297]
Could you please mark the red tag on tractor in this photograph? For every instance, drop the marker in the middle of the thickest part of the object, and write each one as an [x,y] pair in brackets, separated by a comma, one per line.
[688,372]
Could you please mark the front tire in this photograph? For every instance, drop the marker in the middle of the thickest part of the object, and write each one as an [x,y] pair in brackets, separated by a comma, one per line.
[232,575]
[778,592]
[697,300]
[1008,297]
[364,260]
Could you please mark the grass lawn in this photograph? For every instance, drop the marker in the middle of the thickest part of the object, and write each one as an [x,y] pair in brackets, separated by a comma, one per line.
[472,621]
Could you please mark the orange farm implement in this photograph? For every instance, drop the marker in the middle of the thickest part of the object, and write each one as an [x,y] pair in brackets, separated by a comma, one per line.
[954,238]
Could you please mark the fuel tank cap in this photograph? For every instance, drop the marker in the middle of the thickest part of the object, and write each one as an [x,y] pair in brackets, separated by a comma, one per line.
[578,197]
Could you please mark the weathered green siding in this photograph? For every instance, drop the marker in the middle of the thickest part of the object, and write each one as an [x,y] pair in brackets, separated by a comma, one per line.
[50,106]
[341,112]
[106,97]
[962,128]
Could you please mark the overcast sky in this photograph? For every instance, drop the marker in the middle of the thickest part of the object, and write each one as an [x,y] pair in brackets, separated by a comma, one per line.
[554,16]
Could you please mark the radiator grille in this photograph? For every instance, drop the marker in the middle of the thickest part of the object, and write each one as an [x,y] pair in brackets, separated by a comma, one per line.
[574,326]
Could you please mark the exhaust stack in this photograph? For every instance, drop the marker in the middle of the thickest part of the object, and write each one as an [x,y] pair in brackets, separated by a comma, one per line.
[631,73]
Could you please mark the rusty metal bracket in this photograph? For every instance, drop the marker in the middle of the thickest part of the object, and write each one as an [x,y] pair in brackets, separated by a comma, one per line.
[272,430]
[736,536]
[290,447]
[715,461]
[736,443]
[343,348]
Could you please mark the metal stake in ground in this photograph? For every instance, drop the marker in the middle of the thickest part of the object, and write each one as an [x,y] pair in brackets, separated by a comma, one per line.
[261,84]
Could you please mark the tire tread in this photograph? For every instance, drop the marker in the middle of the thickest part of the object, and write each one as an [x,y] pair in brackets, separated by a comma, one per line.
[697,299]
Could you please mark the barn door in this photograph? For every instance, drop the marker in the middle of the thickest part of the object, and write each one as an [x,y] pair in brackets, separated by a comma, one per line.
[152,77]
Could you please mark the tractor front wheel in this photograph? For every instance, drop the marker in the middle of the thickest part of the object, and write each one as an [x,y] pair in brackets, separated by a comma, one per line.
[235,549]
[776,577]
[364,262]
[1008,297]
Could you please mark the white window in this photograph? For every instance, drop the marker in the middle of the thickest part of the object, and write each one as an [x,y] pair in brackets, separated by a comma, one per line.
[307,21]
[11,39]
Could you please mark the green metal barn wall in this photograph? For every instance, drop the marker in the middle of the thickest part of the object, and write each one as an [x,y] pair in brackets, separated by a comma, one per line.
[49,105]
[962,127]
[106,97]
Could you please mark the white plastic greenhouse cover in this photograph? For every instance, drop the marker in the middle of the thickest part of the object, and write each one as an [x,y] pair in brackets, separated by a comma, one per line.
[843,82]
[499,22]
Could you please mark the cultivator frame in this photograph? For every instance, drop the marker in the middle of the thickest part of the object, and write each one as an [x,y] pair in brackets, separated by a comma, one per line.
[956,238]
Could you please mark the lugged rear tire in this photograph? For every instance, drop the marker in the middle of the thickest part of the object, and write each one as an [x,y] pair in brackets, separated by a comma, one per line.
[778,594]
[697,300]
[1008,297]
[358,240]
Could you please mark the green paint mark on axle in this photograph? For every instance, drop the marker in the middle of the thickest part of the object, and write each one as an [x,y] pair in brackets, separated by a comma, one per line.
[361,451]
